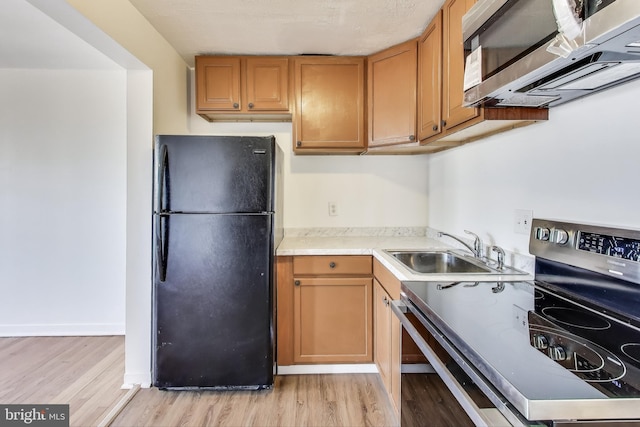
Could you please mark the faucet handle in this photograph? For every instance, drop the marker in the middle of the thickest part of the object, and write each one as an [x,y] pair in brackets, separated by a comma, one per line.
[478,246]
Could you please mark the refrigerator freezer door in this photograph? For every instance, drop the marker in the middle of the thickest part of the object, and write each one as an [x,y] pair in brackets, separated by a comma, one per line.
[214,174]
[213,304]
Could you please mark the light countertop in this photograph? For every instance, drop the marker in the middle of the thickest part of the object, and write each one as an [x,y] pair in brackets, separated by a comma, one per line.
[376,245]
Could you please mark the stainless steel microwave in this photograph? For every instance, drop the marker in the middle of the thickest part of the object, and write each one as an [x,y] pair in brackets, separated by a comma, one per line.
[521,52]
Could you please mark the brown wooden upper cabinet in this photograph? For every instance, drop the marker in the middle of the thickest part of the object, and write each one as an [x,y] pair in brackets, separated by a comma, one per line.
[442,119]
[413,94]
[453,113]
[430,79]
[233,87]
[441,72]
[329,105]
[391,96]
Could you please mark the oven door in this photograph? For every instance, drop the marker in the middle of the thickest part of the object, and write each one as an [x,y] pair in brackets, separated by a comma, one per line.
[501,414]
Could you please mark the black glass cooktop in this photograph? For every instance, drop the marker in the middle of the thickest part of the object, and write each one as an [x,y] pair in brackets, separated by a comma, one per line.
[534,345]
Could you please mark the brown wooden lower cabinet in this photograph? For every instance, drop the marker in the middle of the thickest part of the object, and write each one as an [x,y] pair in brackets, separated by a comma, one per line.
[393,345]
[382,333]
[336,309]
[332,320]
[387,344]
[324,309]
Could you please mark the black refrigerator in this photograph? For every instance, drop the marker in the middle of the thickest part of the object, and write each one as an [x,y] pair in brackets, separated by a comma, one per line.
[217,221]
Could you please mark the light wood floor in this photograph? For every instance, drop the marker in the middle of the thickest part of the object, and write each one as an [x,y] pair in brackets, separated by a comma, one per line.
[86,373]
[300,400]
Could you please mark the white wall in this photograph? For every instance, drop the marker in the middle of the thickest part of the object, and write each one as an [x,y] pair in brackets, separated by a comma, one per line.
[62,202]
[370,191]
[582,165]
[139,189]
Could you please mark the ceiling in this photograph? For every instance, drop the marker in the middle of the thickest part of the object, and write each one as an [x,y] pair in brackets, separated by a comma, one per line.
[286,27]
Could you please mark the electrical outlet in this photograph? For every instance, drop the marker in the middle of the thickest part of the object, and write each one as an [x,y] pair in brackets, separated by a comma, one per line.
[522,221]
[333,209]
[520,319]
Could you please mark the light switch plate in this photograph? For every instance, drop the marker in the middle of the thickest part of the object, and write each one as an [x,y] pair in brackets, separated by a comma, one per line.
[522,221]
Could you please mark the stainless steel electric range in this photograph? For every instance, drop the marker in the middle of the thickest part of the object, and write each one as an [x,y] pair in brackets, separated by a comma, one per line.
[563,349]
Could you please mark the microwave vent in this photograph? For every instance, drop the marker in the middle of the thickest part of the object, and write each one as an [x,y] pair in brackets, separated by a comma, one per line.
[606,76]
[584,73]
[518,100]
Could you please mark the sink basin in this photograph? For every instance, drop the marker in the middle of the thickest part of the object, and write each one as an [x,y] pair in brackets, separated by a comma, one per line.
[438,262]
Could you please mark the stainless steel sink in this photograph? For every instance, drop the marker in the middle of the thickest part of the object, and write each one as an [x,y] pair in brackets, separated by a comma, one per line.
[439,262]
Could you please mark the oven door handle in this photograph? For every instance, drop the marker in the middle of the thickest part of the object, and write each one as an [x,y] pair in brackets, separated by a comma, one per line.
[480,417]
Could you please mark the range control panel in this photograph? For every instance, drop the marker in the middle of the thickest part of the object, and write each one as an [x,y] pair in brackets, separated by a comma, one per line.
[606,244]
[608,250]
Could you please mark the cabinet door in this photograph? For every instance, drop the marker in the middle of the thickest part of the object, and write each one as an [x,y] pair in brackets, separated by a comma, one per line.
[392,80]
[382,333]
[453,64]
[218,83]
[267,82]
[332,320]
[329,104]
[430,79]
[396,362]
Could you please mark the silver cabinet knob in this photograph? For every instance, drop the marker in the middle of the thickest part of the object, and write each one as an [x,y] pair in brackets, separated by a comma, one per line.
[557,353]
[559,236]
[540,342]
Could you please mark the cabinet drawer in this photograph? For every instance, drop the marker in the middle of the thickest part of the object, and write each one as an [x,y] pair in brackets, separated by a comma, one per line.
[332,265]
[386,279]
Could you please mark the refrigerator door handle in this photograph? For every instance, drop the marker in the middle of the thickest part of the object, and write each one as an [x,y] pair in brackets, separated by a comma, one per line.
[163,181]
[162,241]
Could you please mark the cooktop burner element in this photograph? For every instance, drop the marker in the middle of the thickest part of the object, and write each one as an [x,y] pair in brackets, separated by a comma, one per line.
[632,351]
[576,318]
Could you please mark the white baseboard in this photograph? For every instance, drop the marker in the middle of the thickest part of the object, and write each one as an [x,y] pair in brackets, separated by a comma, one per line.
[133,379]
[62,330]
[354,368]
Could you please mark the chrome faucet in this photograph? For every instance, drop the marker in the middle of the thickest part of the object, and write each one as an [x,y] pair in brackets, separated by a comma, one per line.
[478,246]
[476,249]
[500,252]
